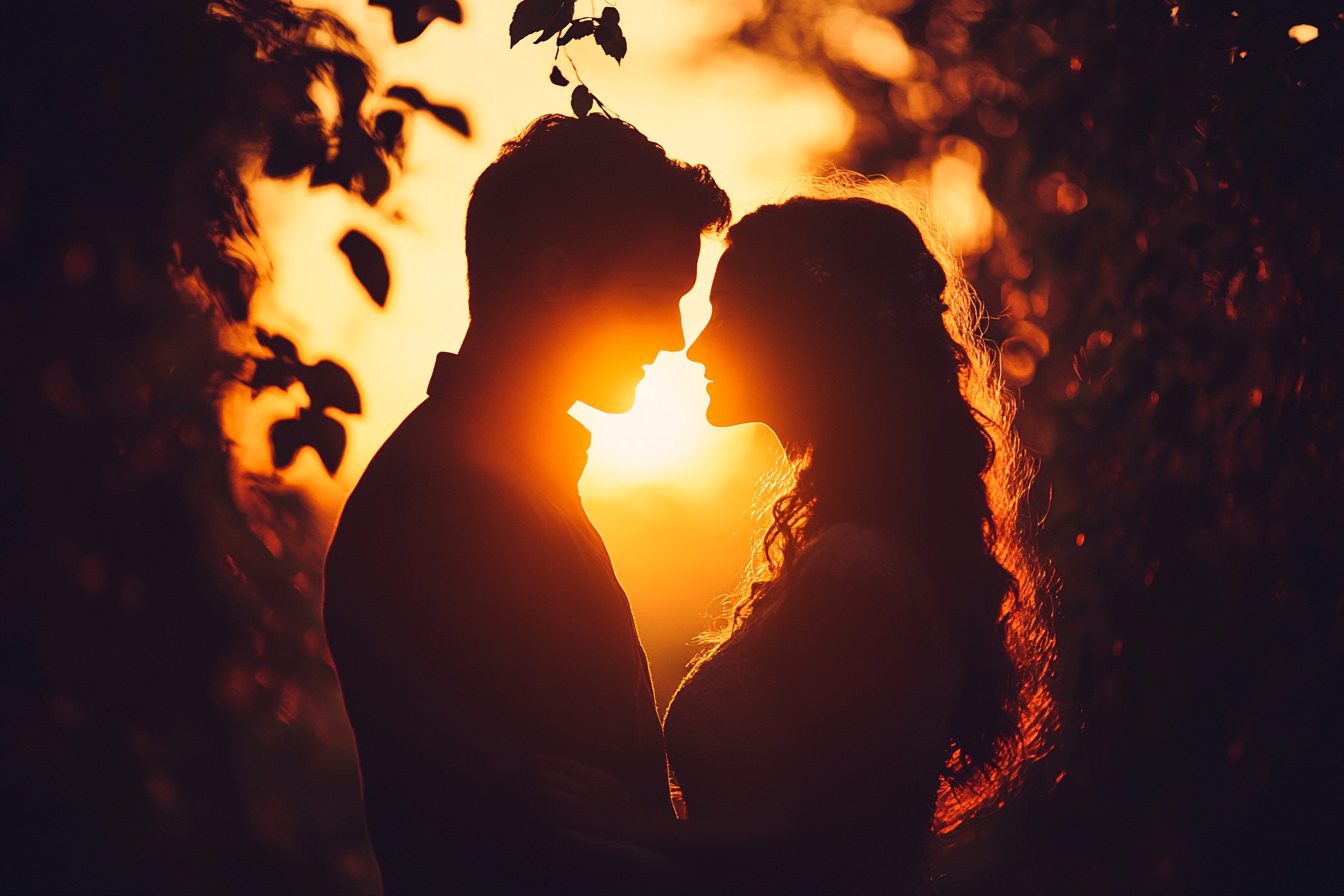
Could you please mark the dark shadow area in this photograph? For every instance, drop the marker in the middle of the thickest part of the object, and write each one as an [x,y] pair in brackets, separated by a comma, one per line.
[168,718]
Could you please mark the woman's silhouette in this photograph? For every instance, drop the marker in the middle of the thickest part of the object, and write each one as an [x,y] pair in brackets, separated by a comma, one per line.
[883,678]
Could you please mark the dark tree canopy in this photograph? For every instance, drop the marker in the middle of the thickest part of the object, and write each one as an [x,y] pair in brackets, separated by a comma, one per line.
[168,720]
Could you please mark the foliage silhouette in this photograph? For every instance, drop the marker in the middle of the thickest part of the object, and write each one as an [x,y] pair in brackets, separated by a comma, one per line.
[555,19]
[389,127]
[328,386]
[581,101]
[169,720]
[410,18]
[369,265]
[449,115]
[310,427]
[608,34]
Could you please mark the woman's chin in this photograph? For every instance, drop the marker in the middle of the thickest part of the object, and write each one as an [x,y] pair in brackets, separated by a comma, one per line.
[719,414]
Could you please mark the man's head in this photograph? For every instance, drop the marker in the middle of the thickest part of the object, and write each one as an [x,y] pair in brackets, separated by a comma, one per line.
[582,238]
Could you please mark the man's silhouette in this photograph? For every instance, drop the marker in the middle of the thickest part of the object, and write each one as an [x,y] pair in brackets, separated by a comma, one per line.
[471,606]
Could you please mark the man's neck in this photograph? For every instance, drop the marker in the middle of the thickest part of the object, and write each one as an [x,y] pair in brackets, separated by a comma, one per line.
[508,370]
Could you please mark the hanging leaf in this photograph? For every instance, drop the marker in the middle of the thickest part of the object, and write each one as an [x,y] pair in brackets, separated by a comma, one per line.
[311,427]
[387,127]
[531,16]
[557,77]
[369,265]
[609,36]
[562,18]
[371,180]
[329,385]
[452,116]
[581,28]
[411,17]
[278,372]
[284,350]
[581,101]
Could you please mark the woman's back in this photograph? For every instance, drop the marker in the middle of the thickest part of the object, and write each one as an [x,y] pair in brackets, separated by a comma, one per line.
[825,718]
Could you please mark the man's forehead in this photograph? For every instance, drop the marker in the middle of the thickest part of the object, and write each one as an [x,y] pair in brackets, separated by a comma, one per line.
[664,249]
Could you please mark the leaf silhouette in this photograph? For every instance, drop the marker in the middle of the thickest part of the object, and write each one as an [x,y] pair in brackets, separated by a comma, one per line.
[372,180]
[369,265]
[329,385]
[562,18]
[388,127]
[311,427]
[272,373]
[581,28]
[411,17]
[581,101]
[452,116]
[531,16]
[357,166]
[558,78]
[294,146]
[283,349]
[609,36]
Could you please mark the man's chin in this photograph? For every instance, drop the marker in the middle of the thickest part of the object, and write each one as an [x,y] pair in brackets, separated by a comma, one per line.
[717,415]
[616,401]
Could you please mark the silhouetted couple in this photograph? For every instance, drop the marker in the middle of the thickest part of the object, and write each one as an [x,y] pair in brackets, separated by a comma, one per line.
[879,683]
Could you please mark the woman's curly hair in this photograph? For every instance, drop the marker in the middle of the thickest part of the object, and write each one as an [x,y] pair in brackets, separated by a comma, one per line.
[911,434]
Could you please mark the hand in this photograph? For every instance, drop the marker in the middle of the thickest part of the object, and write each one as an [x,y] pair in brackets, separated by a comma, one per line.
[590,799]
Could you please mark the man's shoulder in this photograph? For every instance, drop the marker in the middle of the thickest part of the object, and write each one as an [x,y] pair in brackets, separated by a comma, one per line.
[425,478]
[423,523]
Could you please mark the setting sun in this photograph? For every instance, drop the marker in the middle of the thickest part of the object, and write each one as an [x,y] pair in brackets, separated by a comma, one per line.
[663,437]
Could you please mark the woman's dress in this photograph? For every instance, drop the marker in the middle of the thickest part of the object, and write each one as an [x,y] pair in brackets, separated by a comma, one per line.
[823,724]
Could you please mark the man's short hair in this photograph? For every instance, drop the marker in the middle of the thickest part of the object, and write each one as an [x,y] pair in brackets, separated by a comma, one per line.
[592,186]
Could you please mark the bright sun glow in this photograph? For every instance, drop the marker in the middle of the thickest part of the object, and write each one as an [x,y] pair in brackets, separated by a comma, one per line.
[662,435]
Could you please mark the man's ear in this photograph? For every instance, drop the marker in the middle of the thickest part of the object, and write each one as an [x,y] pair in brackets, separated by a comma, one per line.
[552,275]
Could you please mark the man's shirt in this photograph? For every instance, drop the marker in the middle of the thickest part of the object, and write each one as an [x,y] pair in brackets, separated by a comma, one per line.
[475,622]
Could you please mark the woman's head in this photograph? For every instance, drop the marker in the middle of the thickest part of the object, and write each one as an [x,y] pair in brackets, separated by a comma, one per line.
[828,327]
[847,327]
[809,296]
